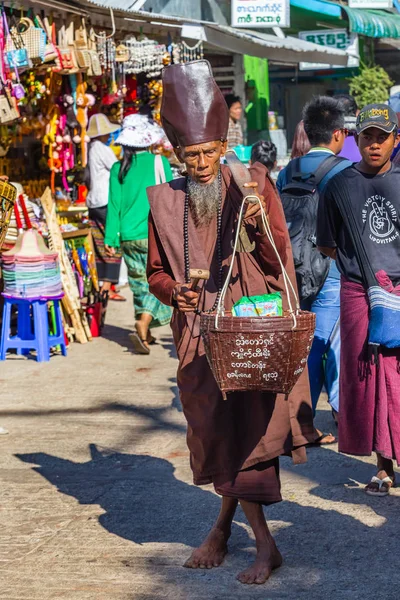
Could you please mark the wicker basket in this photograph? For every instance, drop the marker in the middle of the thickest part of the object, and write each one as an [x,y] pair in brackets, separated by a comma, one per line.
[258,353]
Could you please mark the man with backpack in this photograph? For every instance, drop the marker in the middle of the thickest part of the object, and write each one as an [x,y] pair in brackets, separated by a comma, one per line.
[300,185]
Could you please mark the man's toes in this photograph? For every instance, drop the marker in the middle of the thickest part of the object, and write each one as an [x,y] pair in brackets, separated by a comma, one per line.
[243,577]
[191,563]
[262,577]
[217,562]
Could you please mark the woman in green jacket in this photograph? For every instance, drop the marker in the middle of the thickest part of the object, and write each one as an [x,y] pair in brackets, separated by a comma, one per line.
[128,210]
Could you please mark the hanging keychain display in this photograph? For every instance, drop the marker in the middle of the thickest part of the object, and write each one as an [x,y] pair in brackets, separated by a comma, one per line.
[145,56]
[183,53]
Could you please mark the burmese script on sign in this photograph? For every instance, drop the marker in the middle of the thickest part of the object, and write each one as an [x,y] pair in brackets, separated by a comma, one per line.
[260,13]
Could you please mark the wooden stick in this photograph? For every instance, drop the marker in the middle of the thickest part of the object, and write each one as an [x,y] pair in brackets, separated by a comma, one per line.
[197,274]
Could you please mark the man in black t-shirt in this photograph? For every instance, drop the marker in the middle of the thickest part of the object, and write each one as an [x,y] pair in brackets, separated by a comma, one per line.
[369,418]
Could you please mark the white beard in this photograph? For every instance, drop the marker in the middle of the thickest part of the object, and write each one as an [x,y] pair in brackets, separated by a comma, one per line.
[203,201]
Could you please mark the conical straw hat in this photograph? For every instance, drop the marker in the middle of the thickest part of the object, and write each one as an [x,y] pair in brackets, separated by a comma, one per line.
[100,125]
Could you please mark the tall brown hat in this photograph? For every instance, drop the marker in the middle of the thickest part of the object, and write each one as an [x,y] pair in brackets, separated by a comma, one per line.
[193,109]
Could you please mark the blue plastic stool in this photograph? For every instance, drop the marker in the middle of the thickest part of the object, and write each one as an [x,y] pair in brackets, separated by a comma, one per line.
[32,328]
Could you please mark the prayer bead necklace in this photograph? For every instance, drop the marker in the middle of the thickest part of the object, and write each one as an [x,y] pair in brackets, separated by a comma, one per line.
[219,242]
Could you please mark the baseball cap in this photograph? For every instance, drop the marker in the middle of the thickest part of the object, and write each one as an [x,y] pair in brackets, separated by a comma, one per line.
[377,115]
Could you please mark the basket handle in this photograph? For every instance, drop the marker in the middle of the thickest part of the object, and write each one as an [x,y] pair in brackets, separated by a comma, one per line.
[25,24]
[286,279]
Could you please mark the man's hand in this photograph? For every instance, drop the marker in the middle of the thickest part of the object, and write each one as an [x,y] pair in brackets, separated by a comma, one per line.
[253,210]
[109,250]
[186,299]
[3,178]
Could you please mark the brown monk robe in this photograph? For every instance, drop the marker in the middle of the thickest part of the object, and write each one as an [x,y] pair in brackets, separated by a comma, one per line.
[234,444]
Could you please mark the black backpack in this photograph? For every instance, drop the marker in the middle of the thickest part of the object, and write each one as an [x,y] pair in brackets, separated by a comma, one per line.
[300,203]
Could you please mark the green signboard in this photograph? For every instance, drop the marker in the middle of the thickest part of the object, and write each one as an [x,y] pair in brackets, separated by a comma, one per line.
[334,38]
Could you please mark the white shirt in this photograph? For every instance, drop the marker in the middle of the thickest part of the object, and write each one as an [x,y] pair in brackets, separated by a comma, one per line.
[101,159]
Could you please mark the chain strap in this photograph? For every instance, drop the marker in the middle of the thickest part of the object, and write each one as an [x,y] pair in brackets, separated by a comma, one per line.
[219,242]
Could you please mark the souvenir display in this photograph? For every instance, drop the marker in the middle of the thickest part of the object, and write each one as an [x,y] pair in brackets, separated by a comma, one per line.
[145,56]
[183,53]
[54,74]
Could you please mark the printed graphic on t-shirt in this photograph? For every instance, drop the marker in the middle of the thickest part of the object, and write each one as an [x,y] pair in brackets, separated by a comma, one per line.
[380,217]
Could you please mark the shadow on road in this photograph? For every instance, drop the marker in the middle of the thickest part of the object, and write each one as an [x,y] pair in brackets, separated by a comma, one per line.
[119,335]
[167,343]
[142,499]
[143,502]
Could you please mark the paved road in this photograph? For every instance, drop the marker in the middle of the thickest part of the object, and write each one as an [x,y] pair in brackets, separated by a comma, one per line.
[97,501]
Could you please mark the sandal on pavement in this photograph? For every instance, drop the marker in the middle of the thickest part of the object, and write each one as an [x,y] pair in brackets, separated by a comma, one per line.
[325,439]
[139,345]
[151,339]
[379,487]
[116,297]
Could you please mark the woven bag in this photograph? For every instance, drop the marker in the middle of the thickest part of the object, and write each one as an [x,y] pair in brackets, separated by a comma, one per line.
[15,54]
[34,39]
[81,47]
[257,353]
[67,63]
[50,50]
[8,107]
[83,58]
[95,69]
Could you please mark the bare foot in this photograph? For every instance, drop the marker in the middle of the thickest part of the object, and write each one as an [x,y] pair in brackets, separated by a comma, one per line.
[268,559]
[211,553]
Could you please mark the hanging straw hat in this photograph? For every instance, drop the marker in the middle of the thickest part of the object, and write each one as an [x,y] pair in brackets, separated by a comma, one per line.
[100,125]
[138,132]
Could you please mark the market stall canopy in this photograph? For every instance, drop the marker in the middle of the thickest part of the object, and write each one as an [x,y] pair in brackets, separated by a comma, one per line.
[253,43]
[371,23]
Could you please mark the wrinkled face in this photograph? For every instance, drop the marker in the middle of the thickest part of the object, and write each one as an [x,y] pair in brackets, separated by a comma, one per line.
[376,146]
[235,111]
[202,161]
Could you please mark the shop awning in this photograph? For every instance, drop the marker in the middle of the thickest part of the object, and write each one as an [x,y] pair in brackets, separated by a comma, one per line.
[263,45]
[286,50]
[371,23]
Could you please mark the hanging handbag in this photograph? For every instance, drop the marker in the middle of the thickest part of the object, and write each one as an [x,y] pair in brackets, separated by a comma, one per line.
[50,51]
[384,314]
[95,69]
[81,47]
[66,51]
[34,39]
[8,107]
[15,53]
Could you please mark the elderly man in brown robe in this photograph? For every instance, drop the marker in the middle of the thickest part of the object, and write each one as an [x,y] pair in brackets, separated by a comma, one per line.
[235,443]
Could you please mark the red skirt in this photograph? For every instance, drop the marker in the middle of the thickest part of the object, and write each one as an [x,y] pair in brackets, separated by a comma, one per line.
[369,413]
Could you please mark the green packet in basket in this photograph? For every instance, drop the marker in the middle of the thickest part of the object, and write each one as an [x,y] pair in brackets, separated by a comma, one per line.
[267,305]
